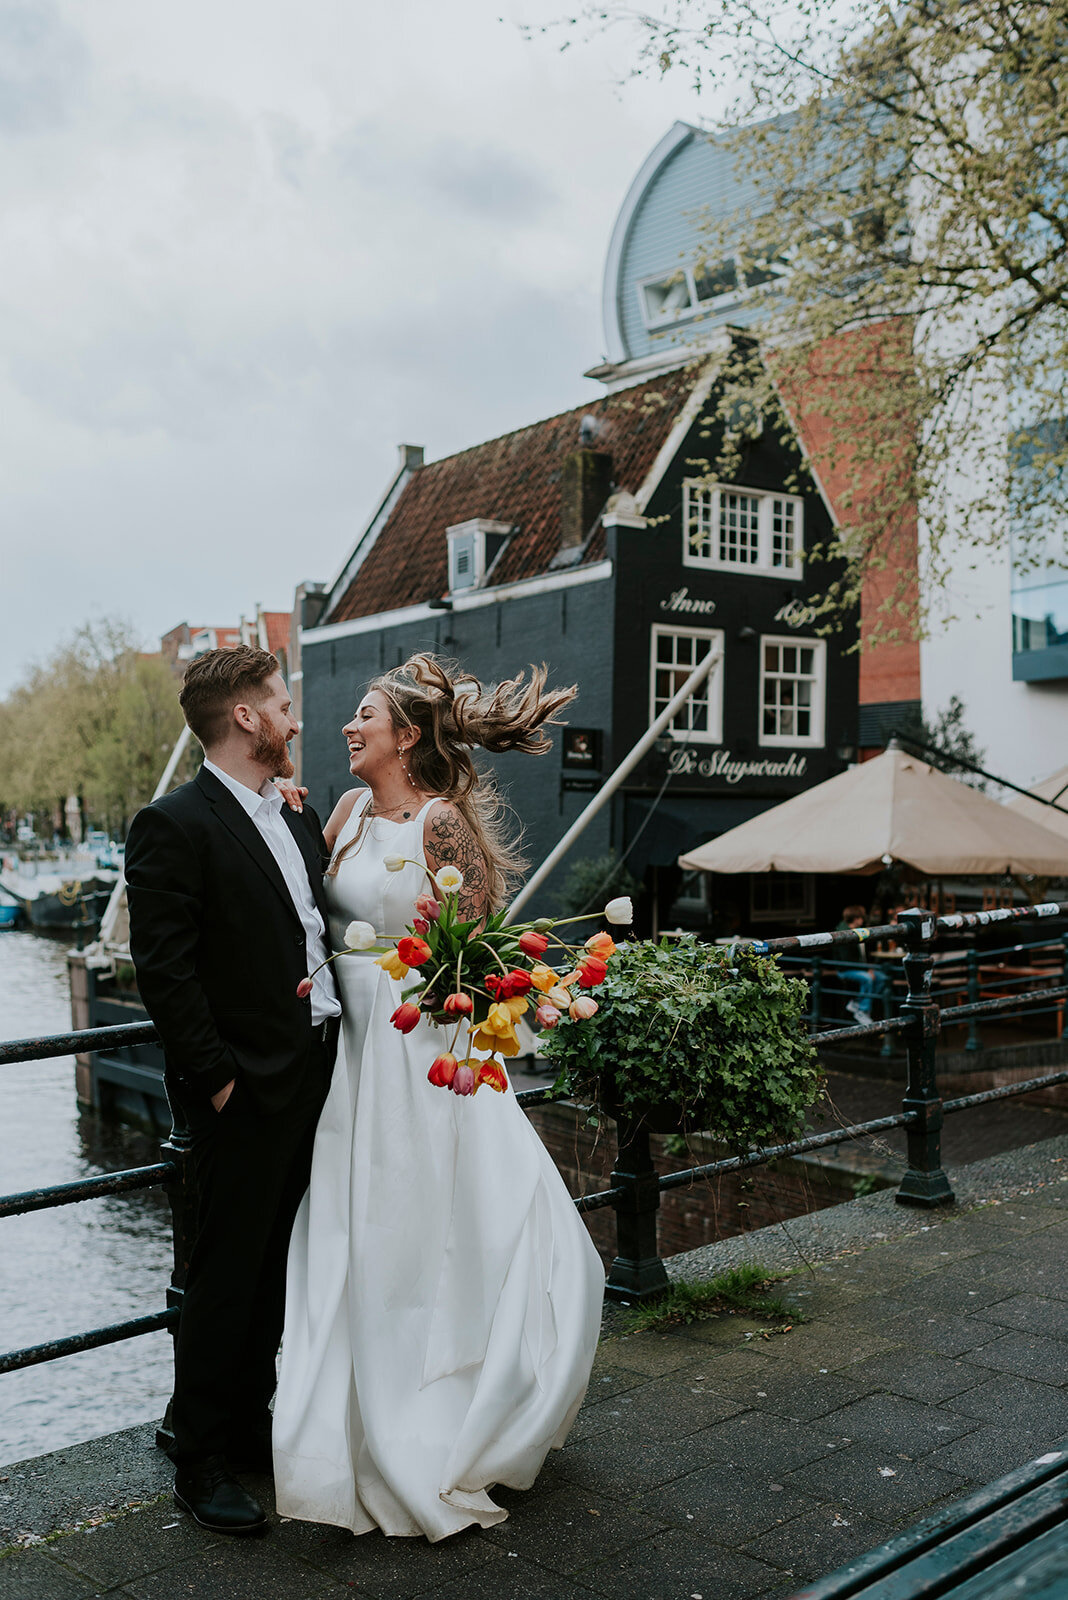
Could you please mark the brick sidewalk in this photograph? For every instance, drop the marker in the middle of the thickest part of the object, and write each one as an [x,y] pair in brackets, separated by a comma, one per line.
[713,1461]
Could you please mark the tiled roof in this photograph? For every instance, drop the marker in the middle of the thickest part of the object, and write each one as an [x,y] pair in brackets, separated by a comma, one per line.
[513,479]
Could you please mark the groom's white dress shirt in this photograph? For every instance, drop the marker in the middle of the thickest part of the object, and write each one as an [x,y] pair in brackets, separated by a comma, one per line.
[265,810]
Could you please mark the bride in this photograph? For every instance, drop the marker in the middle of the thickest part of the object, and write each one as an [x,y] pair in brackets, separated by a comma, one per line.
[443,1299]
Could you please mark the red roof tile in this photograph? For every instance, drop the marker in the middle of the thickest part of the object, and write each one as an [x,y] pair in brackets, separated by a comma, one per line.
[513,479]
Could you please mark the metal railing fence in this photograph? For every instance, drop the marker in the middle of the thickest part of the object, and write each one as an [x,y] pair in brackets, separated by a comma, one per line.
[637,1272]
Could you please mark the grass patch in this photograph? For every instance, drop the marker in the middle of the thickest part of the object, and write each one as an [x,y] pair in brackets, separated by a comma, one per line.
[742,1288]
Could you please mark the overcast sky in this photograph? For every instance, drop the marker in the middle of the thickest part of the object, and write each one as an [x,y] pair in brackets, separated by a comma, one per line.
[249,247]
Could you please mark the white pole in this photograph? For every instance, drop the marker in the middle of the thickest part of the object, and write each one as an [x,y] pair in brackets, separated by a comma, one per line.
[608,789]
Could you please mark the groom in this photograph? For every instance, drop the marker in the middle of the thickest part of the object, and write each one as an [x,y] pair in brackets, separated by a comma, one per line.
[227,916]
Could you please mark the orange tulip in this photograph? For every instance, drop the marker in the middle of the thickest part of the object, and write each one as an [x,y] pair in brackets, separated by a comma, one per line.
[413,951]
[543,977]
[582,1009]
[443,1070]
[458,1004]
[601,944]
[491,1072]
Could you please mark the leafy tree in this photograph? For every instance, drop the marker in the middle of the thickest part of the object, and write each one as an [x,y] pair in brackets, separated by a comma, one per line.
[907,248]
[593,880]
[98,719]
[946,732]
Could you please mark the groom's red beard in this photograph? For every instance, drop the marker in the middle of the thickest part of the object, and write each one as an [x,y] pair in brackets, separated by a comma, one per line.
[271,752]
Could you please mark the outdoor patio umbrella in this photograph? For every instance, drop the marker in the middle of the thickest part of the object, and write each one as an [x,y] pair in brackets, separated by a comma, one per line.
[893,808]
[1045,816]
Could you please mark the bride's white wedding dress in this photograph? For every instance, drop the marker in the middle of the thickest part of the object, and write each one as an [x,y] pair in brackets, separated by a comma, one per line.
[444,1298]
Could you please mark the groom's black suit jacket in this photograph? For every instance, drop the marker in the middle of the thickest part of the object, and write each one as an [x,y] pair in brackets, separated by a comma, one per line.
[217,943]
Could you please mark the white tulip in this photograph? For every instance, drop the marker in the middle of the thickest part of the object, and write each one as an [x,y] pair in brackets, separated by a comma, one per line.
[360,936]
[450,880]
[394,863]
[620,911]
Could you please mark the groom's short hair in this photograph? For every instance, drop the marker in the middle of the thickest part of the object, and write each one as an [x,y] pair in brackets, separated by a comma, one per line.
[216,682]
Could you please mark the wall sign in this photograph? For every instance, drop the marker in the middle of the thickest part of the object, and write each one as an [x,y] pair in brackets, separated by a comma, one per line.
[581,748]
[682,600]
[796,615]
[571,785]
[685,761]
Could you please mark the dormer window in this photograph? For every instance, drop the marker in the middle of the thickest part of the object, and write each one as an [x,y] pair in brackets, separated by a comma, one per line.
[473,549]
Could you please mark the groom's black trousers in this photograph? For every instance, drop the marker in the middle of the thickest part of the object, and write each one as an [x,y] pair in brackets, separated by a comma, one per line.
[251,1170]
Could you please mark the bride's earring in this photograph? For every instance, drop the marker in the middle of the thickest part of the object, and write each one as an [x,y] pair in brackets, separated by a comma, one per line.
[404,768]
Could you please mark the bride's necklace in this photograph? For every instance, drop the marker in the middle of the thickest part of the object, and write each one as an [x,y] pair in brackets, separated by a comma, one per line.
[405,809]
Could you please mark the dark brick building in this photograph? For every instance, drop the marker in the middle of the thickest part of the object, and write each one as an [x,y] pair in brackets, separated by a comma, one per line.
[589,541]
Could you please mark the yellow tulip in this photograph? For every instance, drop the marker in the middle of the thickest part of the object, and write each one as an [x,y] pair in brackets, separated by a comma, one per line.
[542,977]
[392,963]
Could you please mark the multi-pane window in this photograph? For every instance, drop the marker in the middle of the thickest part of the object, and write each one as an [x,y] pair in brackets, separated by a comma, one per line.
[782,897]
[673,655]
[741,528]
[792,691]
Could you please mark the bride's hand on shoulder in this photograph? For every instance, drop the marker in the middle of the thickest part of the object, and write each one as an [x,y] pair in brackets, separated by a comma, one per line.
[293,795]
[449,841]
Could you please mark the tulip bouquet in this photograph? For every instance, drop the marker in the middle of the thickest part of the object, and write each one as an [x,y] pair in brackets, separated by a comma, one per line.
[480,977]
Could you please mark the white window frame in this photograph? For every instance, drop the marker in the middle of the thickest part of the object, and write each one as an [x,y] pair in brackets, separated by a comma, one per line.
[702,502]
[775,913]
[817,738]
[705,637]
[458,536]
[694,306]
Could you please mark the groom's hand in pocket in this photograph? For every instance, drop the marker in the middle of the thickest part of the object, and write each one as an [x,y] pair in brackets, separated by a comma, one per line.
[220,1099]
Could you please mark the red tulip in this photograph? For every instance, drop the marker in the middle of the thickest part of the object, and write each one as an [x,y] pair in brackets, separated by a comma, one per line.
[413,952]
[428,907]
[420,925]
[458,1004]
[533,944]
[463,1081]
[304,988]
[513,984]
[405,1017]
[492,1072]
[592,971]
[443,1070]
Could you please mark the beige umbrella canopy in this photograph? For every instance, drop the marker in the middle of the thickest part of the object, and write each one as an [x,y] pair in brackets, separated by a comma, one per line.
[1045,816]
[894,808]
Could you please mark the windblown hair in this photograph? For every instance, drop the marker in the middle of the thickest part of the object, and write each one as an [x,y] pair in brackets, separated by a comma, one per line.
[453,714]
[216,682]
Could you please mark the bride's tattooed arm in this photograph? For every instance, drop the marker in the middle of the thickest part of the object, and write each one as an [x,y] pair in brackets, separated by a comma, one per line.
[449,841]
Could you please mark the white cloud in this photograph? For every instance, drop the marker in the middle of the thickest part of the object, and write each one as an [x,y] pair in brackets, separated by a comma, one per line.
[250,247]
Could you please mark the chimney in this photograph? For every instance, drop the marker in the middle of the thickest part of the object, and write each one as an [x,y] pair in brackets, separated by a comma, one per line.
[411,457]
[585,484]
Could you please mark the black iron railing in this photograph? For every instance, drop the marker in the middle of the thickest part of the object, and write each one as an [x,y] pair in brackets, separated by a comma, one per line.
[637,1273]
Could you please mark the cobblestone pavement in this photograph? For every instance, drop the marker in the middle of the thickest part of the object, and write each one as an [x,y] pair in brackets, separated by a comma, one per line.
[714,1461]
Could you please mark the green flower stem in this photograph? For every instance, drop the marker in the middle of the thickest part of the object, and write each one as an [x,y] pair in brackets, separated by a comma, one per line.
[430,985]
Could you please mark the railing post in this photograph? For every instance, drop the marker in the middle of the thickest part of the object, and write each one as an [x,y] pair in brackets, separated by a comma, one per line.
[974,1041]
[181,1192]
[815,990]
[637,1273]
[924,1184]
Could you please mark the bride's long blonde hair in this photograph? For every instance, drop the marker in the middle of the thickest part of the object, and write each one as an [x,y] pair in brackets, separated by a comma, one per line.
[453,714]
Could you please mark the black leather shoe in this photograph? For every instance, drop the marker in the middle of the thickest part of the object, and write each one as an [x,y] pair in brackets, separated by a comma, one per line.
[216,1500]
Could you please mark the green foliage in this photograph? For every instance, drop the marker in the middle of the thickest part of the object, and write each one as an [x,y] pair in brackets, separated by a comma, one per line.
[739,1289]
[904,238]
[98,719]
[716,1031]
[593,880]
[946,732]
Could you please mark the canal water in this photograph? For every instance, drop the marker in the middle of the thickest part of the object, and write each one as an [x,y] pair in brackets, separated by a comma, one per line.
[77,1267]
